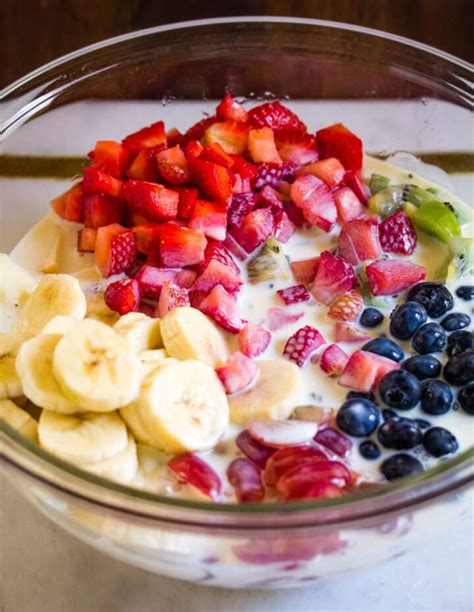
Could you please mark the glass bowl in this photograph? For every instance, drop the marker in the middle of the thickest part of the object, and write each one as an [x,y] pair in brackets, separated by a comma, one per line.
[397,95]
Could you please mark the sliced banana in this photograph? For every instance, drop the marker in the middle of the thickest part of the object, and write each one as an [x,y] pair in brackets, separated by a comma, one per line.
[183,407]
[130,414]
[188,334]
[59,324]
[15,286]
[95,367]
[148,363]
[141,332]
[275,393]
[34,365]
[87,438]
[121,467]
[55,294]
[19,419]
[10,383]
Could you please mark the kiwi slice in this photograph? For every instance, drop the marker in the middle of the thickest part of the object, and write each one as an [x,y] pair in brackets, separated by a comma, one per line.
[387,201]
[378,182]
[269,264]
[435,218]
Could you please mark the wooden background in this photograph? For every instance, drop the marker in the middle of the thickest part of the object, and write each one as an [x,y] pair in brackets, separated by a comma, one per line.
[33,32]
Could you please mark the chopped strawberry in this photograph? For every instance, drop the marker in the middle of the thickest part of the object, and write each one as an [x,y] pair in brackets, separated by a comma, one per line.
[131,218]
[296,147]
[148,238]
[337,141]
[102,210]
[352,180]
[70,205]
[242,167]
[276,116]
[173,165]
[230,110]
[222,307]
[237,373]
[192,149]
[123,296]
[270,198]
[173,137]
[86,238]
[171,297]
[245,477]
[196,131]
[110,157]
[261,146]
[217,250]
[240,206]
[391,276]
[346,332]
[346,307]
[234,247]
[210,218]
[196,297]
[364,370]
[334,277]
[147,308]
[232,136]
[315,200]
[192,470]
[152,279]
[295,294]
[187,197]
[155,202]
[305,270]
[334,440]
[143,166]
[216,154]
[280,434]
[284,228]
[279,317]
[185,278]
[95,181]
[240,185]
[151,136]
[181,246]
[254,340]
[348,205]
[329,170]
[115,249]
[333,360]
[214,180]
[273,174]
[397,234]
[258,453]
[295,214]
[302,344]
[359,241]
[218,273]
[255,229]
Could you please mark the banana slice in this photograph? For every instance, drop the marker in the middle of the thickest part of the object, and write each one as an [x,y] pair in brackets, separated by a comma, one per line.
[273,396]
[149,362]
[95,367]
[152,473]
[34,365]
[15,286]
[183,407]
[121,467]
[87,438]
[141,332]
[59,324]
[130,414]
[19,419]
[188,334]
[10,383]
[55,294]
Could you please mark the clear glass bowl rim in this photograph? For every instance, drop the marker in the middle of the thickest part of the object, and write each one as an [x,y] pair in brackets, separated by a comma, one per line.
[17,451]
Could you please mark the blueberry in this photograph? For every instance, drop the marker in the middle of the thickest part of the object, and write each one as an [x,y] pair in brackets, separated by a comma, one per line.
[429,338]
[371,317]
[422,424]
[358,417]
[400,389]
[439,442]
[436,397]
[423,366]
[400,465]
[455,320]
[465,292]
[466,398]
[435,297]
[389,414]
[400,434]
[459,369]
[460,341]
[369,450]
[406,319]
[385,347]
[367,395]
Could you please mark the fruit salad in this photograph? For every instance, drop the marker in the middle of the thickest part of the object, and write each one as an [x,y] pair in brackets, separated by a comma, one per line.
[246,311]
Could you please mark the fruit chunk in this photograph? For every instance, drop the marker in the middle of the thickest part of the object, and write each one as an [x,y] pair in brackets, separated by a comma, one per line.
[186,202]
[287,458]
[345,332]
[255,451]
[230,135]
[95,181]
[333,360]
[304,270]
[334,276]
[261,146]
[172,296]
[142,334]
[254,340]
[282,433]
[86,238]
[222,307]
[143,166]
[387,277]
[275,116]
[210,218]
[348,205]
[293,295]
[115,249]
[296,147]
[230,110]
[329,170]
[240,206]
[359,241]
[437,219]
[273,174]
[315,200]
[70,205]
[346,307]
[214,180]
[279,317]
[256,227]
[237,373]
[19,419]
[337,141]
[173,165]
[284,227]
[352,180]
[217,273]
[123,296]
[102,210]
[153,201]
[334,440]
[193,471]
[397,234]
[152,279]
[364,370]
[246,480]
[319,479]
[302,344]
[110,157]
[150,136]
[181,246]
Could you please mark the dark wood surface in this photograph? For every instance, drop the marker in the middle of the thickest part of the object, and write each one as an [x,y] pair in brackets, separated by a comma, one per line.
[33,32]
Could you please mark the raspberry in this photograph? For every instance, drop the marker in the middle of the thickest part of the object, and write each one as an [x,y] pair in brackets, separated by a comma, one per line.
[295,294]
[397,234]
[301,345]
[346,307]
[273,174]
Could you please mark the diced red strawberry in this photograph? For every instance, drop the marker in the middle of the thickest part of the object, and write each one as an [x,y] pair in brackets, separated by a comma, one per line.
[348,205]
[143,166]
[147,308]
[217,250]
[196,131]
[222,307]
[304,270]
[115,249]
[352,180]
[171,297]
[273,174]
[254,340]
[173,137]
[334,440]
[333,360]
[192,470]
[297,147]
[86,238]
[214,180]
[237,373]
[240,185]
[364,370]
[270,198]
[70,205]
[346,332]
[110,157]
[255,229]
[261,146]
[275,116]
[95,181]
[278,434]
[284,228]
[318,479]
[315,200]
[230,110]
[245,477]
[216,154]
[359,241]
[295,214]
[152,279]
[302,344]
[196,297]
[240,206]
[151,136]
[329,170]
[173,165]
[155,202]
[181,246]
[397,234]
[242,167]
[346,307]
[217,273]
[132,218]
[123,296]
[185,278]
[234,247]
[148,238]
[391,276]
[334,276]
[258,453]
[192,149]
[232,136]
[337,141]
[280,317]
[293,295]
[210,218]
[102,210]
[186,202]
